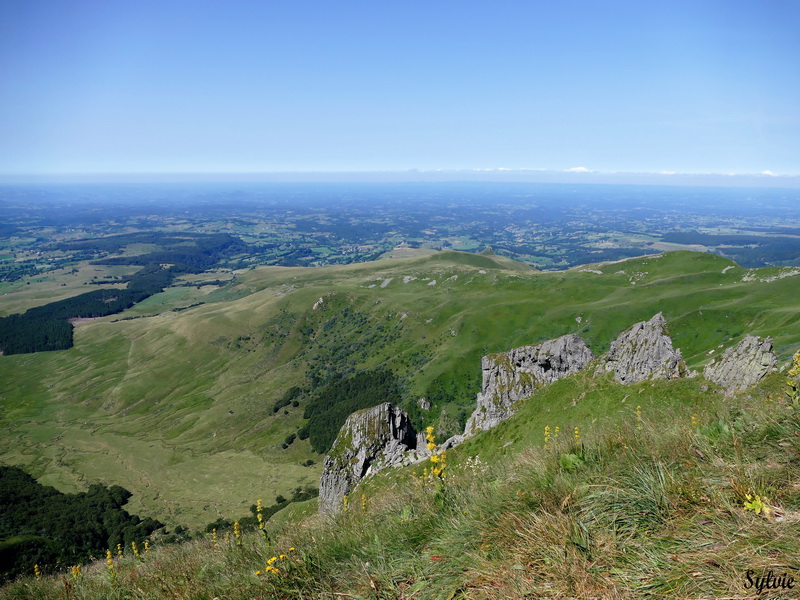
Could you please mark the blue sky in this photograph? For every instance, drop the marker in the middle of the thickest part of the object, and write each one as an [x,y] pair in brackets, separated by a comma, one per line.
[118,86]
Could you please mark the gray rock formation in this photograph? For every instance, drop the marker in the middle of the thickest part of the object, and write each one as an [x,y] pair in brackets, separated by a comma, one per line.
[511,376]
[743,365]
[370,440]
[644,352]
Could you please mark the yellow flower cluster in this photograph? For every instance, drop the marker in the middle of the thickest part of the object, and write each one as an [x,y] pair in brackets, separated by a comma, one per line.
[577,434]
[270,567]
[76,571]
[439,460]
[120,553]
[259,515]
[36,572]
[110,566]
[146,546]
[135,549]
[551,435]
[237,533]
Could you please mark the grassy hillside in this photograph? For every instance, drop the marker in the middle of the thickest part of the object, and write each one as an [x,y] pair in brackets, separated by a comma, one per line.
[693,495]
[177,407]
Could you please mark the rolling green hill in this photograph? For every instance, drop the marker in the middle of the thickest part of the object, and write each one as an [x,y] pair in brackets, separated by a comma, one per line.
[178,406]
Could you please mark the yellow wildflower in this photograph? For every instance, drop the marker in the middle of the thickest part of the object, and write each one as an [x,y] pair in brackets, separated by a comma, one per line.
[110,565]
[259,514]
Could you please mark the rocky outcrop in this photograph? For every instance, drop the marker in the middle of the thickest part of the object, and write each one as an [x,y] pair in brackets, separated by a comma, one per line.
[370,440]
[644,352]
[743,365]
[511,376]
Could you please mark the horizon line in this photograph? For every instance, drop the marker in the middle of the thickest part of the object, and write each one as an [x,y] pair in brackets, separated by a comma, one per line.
[574,175]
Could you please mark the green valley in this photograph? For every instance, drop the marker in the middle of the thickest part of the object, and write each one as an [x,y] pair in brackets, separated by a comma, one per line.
[178,406]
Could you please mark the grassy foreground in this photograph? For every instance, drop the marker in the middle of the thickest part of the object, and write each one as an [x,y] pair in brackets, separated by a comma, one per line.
[694,498]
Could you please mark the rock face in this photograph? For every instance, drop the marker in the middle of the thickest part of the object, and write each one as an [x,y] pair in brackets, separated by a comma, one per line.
[644,352]
[742,365]
[370,440]
[511,376]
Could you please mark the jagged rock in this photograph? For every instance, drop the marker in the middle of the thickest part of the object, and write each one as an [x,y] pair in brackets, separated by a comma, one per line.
[370,440]
[742,365]
[644,352]
[511,376]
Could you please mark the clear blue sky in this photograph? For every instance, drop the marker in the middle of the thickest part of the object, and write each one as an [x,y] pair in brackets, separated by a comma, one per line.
[242,86]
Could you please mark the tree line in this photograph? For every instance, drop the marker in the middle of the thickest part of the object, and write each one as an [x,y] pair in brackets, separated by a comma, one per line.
[48,328]
[40,525]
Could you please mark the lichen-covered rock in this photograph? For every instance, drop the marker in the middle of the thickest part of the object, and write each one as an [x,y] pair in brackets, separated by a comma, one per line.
[743,365]
[644,352]
[370,440]
[511,376]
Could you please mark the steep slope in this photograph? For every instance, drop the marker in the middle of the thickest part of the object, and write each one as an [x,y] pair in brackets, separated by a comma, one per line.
[680,496]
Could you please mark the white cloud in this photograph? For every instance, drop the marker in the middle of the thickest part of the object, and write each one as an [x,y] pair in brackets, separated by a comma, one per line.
[667,173]
[769,173]
[578,170]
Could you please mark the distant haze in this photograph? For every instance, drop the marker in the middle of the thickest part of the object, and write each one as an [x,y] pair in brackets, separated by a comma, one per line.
[415,175]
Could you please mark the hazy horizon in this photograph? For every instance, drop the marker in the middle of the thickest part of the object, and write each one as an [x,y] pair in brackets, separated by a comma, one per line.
[574,177]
